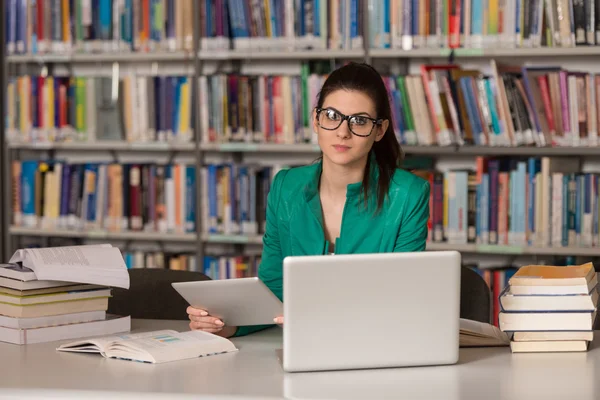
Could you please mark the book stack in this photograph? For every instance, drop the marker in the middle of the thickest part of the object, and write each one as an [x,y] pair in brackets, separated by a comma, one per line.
[550,308]
[49,294]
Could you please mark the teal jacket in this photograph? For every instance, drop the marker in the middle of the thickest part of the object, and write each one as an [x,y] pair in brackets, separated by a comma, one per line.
[294,224]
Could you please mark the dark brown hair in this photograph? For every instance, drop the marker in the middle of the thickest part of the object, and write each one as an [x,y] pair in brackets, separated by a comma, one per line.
[388,154]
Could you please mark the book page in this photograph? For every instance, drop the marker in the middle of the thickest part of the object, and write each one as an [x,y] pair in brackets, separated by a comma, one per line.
[163,347]
[102,343]
[19,255]
[101,265]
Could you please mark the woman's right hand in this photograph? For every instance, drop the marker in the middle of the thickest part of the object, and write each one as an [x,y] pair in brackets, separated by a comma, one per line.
[202,320]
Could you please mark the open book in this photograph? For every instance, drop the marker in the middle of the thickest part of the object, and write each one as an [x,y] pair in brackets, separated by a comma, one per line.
[479,334]
[100,264]
[154,347]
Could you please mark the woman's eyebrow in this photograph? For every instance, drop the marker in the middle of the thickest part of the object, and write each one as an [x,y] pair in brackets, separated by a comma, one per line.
[360,113]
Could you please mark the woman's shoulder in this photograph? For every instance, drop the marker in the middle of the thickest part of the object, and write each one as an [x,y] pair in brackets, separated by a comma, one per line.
[294,178]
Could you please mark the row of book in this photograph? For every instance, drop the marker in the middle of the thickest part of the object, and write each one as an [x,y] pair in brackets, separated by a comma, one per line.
[442,105]
[504,201]
[161,198]
[56,26]
[42,26]
[282,25]
[512,201]
[93,196]
[215,267]
[264,109]
[409,24]
[75,108]
[512,106]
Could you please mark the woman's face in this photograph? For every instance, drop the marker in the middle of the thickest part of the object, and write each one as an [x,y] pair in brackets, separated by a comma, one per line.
[337,141]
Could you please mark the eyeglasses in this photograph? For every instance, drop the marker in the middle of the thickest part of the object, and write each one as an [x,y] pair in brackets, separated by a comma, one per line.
[359,125]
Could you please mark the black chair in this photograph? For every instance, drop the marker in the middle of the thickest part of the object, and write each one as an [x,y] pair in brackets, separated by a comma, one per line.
[151,296]
[475,297]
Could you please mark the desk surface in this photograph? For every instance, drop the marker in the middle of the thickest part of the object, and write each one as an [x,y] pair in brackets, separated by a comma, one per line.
[255,372]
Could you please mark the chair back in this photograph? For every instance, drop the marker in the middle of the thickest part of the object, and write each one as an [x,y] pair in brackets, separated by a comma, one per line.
[151,296]
[475,297]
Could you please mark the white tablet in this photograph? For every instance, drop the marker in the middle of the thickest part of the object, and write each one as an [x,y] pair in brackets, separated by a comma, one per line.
[237,302]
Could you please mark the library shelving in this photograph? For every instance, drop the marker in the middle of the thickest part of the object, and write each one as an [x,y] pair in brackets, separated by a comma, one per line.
[200,43]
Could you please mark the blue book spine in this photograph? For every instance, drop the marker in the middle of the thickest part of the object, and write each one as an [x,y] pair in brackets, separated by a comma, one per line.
[105,19]
[244,194]
[252,201]
[522,202]
[177,83]
[12,17]
[578,208]
[65,189]
[275,26]
[212,198]
[93,196]
[385,26]
[127,23]
[415,17]
[477,17]
[22,26]
[317,17]
[465,87]
[354,19]
[190,199]
[28,173]
[129,260]
[512,204]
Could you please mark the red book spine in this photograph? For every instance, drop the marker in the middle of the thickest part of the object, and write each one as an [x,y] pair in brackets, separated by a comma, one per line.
[545,90]
[454,24]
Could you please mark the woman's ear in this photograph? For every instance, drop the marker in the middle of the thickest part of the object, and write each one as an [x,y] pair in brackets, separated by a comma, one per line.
[315,125]
[382,129]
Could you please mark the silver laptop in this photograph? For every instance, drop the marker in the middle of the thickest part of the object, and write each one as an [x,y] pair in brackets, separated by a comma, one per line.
[371,310]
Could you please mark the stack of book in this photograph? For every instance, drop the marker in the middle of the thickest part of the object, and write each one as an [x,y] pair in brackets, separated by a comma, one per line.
[550,308]
[49,294]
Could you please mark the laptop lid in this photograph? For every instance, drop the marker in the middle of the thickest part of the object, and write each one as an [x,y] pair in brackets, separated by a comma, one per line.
[371,310]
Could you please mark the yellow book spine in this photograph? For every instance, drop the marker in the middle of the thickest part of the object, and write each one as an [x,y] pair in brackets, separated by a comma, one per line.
[184,120]
[268,18]
[50,109]
[65,22]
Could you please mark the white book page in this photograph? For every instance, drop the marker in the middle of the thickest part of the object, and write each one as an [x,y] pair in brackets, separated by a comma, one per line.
[102,344]
[101,265]
[171,346]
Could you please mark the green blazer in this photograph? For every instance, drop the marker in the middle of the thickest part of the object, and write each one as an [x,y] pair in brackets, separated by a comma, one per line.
[294,221]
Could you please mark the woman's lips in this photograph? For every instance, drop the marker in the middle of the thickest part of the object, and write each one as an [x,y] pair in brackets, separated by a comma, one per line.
[340,148]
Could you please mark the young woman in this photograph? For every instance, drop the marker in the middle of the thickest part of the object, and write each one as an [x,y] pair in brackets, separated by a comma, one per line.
[356,199]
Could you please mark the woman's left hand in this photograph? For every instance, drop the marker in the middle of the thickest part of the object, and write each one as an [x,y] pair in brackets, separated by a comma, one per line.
[279,320]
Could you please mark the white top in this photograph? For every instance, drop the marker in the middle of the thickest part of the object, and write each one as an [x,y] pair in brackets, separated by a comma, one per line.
[255,372]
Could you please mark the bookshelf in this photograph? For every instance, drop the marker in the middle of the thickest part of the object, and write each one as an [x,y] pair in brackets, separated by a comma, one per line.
[203,56]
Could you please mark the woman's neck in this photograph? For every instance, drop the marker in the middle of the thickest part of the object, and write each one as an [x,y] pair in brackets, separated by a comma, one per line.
[336,178]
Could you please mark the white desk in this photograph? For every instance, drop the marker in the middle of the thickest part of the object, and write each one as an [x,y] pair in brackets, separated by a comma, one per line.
[255,372]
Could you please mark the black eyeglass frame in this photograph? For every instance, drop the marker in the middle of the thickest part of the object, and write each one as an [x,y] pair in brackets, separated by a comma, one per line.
[346,118]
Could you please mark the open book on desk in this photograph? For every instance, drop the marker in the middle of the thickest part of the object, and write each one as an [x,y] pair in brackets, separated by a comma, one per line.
[100,264]
[154,347]
[479,334]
